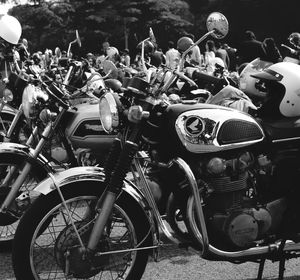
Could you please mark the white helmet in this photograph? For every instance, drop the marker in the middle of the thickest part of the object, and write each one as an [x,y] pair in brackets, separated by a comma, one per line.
[10,29]
[283,80]
[247,81]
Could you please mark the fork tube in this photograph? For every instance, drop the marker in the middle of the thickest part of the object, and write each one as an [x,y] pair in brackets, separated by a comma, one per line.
[11,173]
[33,136]
[14,123]
[48,131]
[114,187]
[25,171]
[15,187]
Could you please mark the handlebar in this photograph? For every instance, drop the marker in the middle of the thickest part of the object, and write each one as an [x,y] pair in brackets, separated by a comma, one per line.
[184,77]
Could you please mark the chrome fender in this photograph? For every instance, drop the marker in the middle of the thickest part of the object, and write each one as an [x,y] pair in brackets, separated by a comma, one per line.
[26,152]
[66,178]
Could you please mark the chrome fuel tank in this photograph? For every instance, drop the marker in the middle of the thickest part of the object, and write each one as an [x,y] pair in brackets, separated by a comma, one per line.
[84,129]
[215,128]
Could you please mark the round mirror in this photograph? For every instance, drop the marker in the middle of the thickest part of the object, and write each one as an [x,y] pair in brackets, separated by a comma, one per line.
[78,40]
[217,22]
[110,68]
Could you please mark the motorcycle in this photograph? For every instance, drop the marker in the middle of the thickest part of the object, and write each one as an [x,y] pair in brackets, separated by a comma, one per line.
[224,185]
[66,133]
[94,222]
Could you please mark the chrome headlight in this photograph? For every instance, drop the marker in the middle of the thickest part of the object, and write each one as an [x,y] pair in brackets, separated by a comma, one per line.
[30,100]
[109,114]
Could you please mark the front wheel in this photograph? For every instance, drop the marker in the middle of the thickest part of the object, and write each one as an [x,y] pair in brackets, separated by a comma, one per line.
[47,247]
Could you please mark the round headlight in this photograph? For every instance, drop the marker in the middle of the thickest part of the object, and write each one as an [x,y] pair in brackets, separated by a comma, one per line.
[8,95]
[30,97]
[28,101]
[109,115]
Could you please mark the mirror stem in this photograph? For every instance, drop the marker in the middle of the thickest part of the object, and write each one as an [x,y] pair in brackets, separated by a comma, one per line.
[190,48]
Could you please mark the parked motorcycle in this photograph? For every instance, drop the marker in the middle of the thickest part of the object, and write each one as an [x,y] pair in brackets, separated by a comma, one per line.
[231,179]
[89,222]
[66,132]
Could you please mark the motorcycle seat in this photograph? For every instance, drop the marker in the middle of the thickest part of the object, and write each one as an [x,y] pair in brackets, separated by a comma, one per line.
[282,130]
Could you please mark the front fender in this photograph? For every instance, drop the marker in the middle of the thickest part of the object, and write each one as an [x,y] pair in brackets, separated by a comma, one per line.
[24,151]
[66,178]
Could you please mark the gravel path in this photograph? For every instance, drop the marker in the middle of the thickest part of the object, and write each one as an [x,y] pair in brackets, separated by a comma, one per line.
[177,264]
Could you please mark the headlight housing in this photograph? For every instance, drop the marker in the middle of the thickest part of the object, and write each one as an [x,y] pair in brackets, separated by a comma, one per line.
[30,100]
[109,111]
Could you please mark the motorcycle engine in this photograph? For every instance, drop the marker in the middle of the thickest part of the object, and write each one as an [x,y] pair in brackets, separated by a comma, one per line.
[233,216]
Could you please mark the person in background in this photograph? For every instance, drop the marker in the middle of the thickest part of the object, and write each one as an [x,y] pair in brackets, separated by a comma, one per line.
[195,57]
[232,57]
[57,55]
[250,48]
[99,59]
[220,52]
[163,56]
[172,56]
[91,60]
[109,51]
[64,54]
[272,52]
[48,58]
[209,52]
[125,58]
[23,50]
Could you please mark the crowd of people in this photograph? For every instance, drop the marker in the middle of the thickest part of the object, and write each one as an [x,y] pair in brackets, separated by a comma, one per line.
[231,58]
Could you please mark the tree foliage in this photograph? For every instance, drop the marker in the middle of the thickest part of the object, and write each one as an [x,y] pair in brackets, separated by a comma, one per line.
[47,24]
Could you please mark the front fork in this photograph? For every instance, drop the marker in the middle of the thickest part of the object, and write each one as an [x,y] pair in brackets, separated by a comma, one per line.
[114,187]
[15,187]
[14,123]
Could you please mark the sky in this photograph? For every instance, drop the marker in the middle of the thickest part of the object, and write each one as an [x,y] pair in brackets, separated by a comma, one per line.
[4,8]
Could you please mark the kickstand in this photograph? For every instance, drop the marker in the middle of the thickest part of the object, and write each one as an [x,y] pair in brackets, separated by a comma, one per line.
[282,260]
[261,269]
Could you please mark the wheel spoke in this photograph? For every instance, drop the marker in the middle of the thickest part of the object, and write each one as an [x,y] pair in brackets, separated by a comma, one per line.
[6,167]
[50,246]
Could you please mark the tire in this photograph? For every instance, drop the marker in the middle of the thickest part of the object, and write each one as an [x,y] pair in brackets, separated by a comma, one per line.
[43,237]
[8,223]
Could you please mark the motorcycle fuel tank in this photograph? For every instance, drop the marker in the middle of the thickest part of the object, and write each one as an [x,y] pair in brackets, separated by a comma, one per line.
[85,129]
[216,128]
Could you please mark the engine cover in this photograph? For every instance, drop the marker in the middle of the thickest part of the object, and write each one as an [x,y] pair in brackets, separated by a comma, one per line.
[242,227]
[217,128]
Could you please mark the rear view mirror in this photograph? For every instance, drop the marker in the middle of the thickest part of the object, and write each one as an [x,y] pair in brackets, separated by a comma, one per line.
[217,22]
